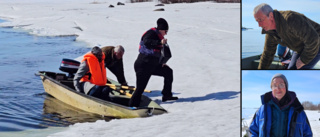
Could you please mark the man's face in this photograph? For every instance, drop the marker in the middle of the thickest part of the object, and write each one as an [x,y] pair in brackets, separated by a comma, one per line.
[265,22]
[278,88]
[163,32]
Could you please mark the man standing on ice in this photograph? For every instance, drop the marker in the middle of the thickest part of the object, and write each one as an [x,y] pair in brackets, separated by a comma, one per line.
[290,29]
[281,114]
[147,63]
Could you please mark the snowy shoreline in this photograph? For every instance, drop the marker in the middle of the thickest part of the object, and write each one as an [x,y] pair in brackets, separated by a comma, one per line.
[205,41]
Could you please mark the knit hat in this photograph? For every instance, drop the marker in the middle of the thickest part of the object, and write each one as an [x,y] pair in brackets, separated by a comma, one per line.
[282,77]
[97,52]
[162,24]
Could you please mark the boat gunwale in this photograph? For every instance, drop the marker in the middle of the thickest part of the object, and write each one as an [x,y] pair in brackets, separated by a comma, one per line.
[276,61]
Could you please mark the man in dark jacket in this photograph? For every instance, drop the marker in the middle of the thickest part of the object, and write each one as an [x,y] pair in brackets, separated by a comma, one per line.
[290,29]
[147,63]
[114,63]
[281,113]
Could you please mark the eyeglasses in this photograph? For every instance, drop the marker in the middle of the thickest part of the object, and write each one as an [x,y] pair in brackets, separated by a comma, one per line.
[282,85]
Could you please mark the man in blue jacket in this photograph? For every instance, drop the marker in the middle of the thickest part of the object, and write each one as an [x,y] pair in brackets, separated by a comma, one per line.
[281,113]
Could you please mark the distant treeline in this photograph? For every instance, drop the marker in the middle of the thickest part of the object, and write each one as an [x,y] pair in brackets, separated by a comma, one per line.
[310,106]
[187,1]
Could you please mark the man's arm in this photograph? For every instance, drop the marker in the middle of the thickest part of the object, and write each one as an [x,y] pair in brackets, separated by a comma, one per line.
[117,70]
[83,69]
[270,47]
[302,27]
[254,125]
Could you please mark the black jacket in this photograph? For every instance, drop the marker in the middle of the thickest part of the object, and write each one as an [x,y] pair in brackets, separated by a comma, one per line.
[113,64]
[150,47]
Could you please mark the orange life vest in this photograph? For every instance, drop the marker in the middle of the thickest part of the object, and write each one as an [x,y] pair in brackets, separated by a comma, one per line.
[96,69]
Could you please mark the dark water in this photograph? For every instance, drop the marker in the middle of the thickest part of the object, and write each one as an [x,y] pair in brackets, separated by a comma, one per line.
[23,101]
[252,42]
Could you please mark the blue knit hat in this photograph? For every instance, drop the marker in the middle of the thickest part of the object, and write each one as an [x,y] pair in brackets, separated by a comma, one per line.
[96,51]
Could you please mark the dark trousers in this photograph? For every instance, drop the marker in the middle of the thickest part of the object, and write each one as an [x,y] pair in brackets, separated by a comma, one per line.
[101,92]
[294,58]
[143,73]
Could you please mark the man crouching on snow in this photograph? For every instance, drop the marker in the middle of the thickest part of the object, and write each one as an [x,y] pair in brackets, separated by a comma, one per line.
[91,77]
[148,64]
[114,62]
[290,29]
[281,113]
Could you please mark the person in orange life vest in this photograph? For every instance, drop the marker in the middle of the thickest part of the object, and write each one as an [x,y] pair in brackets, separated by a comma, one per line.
[91,76]
[147,63]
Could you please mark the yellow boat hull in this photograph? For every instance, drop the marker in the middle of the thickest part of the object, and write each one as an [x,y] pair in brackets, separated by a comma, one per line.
[66,94]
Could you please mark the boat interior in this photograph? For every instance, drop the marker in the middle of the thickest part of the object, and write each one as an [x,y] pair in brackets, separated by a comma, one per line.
[67,81]
[252,62]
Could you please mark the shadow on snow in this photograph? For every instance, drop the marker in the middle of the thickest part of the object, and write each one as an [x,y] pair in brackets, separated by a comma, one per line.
[222,95]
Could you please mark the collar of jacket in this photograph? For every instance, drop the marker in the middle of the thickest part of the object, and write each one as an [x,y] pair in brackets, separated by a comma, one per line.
[295,103]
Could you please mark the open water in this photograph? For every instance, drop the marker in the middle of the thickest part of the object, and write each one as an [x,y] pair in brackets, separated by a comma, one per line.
[23,101]
[252,42]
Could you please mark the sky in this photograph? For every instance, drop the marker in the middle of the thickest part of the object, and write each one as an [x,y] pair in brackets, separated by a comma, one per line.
[310,8]
[255,83]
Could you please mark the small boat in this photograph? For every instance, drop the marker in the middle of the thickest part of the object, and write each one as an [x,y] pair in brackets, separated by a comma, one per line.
[60,86]
[244,28]
[252,62]
[59,113]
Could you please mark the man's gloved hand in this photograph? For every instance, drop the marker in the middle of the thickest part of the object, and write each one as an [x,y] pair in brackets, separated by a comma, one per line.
[124,84]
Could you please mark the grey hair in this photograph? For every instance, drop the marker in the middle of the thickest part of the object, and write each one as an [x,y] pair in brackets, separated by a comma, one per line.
[264,8]
[119,49]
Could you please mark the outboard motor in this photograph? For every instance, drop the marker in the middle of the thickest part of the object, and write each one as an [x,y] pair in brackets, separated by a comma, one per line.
[70,66]
[283,52]
[284,55]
